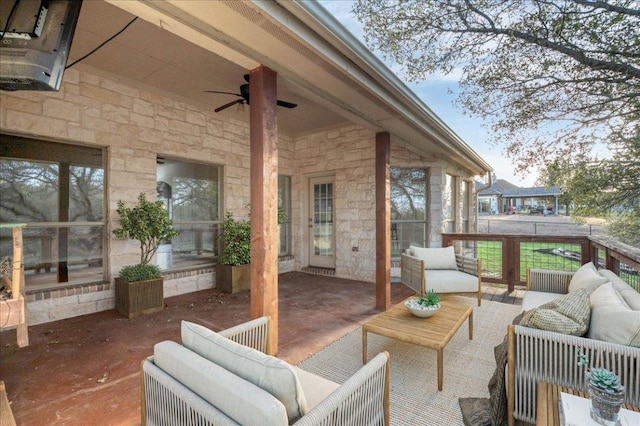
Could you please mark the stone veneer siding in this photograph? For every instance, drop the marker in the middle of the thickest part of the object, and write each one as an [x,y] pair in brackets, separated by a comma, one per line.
[136,124]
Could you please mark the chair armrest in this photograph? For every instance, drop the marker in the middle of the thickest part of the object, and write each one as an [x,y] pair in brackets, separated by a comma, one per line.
[469,264]
[412,273]
[548,281]
[536,355]
[362,400]
[166,401]
[254,334]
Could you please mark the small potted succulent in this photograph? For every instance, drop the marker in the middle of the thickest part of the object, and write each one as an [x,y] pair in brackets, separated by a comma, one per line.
[424,306]
[605,392]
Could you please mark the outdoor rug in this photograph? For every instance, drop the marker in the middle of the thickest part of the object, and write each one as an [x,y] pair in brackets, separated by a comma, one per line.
[414,396]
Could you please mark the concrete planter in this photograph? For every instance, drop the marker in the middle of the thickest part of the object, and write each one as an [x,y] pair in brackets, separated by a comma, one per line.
[140,297]
[232,279]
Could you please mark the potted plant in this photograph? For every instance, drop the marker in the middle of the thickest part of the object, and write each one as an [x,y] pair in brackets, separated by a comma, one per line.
[605,393]
[424,306]
[139,288]
[233,272]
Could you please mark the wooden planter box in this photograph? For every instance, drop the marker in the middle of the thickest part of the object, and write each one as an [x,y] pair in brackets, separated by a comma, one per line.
[232,279]
[140,297]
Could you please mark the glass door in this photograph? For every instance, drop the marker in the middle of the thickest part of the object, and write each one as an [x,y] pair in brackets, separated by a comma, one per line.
[321,223]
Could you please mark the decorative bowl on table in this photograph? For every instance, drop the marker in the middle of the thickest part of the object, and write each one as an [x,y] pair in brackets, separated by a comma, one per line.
[419,310]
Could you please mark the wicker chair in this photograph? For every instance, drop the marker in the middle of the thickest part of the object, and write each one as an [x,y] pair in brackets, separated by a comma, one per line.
[362,400]
[468,276]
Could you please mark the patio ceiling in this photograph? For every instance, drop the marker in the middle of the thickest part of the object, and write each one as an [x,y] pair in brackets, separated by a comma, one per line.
[187,47]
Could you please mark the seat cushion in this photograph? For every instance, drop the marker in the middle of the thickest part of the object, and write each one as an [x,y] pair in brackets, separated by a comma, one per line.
[316,388]
[568,314]
[447,281]
[612,320]
[586,277]
[269,373]
[436,258]
[239,399]
[533,299]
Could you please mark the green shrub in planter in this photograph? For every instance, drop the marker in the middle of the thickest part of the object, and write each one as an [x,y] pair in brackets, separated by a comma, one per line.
[133,273]
[149,223]
[236,241]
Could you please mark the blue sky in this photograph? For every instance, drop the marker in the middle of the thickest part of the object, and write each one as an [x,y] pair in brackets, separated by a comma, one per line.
[439,92]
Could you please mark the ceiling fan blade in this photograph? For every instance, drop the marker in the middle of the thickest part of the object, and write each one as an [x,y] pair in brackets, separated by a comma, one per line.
[225,106]
[286,104]
[222,93]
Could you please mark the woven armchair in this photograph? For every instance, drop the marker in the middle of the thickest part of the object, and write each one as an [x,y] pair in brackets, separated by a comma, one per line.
[415,276]
[361,400]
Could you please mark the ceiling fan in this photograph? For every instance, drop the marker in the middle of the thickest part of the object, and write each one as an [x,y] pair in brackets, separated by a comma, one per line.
[244,97]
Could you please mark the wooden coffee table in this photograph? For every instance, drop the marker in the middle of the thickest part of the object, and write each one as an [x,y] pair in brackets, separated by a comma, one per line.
[433,332]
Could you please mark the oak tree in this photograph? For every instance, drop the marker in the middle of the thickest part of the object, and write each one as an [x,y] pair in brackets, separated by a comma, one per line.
[558,81]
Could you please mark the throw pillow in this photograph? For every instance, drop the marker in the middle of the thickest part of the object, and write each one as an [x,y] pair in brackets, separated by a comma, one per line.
[268,372]
[436,258]
[587,277]
[568,314]
[612,320]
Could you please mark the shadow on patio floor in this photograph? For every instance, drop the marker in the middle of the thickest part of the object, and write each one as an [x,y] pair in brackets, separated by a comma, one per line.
[86,370]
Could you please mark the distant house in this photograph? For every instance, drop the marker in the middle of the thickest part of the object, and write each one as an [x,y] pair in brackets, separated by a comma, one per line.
[505,197]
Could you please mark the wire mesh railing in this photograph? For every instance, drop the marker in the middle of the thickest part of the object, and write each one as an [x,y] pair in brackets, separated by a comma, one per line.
[506,258]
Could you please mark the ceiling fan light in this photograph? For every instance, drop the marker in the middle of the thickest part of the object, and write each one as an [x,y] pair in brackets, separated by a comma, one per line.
[240,107]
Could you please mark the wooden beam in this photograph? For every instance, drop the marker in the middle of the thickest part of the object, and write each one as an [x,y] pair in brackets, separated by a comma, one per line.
[264,200]
[383,221]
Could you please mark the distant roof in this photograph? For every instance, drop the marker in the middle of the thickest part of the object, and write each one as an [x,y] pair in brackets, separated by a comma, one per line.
[507,189]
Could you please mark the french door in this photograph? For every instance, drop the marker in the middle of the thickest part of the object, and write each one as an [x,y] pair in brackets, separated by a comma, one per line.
[321,223]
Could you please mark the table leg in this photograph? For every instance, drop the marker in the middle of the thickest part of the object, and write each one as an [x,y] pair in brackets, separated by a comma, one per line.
[439,369]
[364,345]
[471,326]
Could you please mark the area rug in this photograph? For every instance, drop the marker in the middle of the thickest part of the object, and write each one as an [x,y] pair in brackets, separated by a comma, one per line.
[414,396]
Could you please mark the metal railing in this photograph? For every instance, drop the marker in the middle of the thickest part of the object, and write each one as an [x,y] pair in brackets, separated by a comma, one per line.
[506,258]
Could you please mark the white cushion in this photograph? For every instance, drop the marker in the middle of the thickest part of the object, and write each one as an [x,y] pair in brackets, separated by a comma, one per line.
[239,399]
[612,320]
[587,277]
[447,281]
[628,293]
[316,388]
[436,258]
[268,372]
[533,299]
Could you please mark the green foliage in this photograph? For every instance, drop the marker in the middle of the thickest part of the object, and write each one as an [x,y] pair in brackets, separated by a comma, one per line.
[133,273]
[558,81]
[147,222]
[235,236]
[600,378]
[431,298]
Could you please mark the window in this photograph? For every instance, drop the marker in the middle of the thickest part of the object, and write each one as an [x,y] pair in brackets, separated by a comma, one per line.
[450,203]
[408,209]
[57,190]
[192,193]
[284,206]
[466,206]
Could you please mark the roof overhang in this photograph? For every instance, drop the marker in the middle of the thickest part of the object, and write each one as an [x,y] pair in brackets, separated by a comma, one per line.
[319,59]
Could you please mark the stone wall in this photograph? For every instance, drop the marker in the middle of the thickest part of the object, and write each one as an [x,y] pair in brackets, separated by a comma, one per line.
[137,124]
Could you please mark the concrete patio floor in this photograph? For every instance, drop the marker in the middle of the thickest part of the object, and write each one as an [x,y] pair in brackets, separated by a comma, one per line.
[86,370]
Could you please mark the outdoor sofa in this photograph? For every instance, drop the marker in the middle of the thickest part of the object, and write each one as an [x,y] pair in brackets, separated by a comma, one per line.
[612,339]
[442,270]
[226,379]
